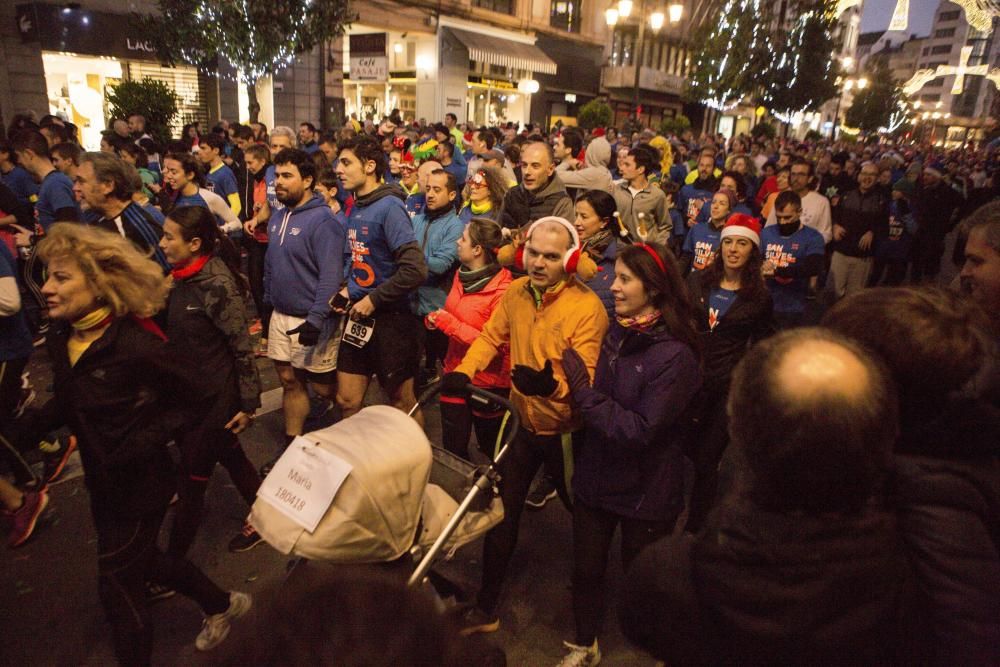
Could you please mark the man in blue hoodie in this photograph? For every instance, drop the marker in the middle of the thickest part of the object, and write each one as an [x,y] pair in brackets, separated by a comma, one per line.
[384,266]
[303,269]
[437,229]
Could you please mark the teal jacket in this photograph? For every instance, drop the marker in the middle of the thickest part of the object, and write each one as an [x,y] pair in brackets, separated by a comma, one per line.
[437,237]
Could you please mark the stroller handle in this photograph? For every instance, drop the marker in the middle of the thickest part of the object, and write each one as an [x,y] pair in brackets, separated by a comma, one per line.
[477,394]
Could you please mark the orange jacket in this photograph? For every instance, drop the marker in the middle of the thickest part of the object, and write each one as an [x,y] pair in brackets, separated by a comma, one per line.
[570,316]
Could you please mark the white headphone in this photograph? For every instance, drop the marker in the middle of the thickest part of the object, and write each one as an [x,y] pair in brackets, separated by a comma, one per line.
[570,258]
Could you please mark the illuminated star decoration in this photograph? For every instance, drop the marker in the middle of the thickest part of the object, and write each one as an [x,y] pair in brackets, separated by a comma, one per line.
[900,16]
[980,13]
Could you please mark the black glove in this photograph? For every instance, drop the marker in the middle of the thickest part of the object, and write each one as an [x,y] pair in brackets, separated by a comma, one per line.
[455,384]
[575,370]
[534,383]
[308,334]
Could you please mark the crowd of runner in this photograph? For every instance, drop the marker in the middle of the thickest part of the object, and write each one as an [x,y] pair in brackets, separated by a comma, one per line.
[739,352]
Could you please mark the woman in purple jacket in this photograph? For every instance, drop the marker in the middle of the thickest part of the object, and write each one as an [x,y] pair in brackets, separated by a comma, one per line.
[629,471]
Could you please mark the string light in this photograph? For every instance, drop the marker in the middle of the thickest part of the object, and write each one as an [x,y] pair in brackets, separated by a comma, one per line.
[979,13]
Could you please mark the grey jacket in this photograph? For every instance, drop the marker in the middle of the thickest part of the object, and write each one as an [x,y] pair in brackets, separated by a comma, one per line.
[652,203]
[594,176]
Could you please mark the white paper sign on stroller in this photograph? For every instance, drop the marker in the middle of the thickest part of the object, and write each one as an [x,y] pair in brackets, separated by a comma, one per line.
[303,482]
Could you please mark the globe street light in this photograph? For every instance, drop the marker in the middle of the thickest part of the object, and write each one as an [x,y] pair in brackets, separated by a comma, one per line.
[623,10]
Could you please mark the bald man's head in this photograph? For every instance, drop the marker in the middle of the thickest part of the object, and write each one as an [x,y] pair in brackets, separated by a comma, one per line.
[815,417]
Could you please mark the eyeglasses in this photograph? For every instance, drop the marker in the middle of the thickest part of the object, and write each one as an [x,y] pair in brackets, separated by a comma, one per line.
[478,181]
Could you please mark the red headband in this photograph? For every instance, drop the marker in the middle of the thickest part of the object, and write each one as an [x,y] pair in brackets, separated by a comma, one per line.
[656,257]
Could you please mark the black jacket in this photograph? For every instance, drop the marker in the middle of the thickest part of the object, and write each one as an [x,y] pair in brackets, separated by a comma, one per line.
[947,497]
[746,322]
[207,328]
[860,213]
[125,399]
[764,588]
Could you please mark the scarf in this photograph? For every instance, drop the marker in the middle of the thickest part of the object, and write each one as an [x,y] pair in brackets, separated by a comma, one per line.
[639,322]
[187,270]
[475,281]
[94,320]
[479,209]
[598,243]
[434,214]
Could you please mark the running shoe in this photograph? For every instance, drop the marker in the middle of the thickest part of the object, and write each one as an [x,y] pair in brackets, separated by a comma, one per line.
[246,540]
[474,620]
[215,628]
[581,656]
[24,518]
[55,463]
[156,592]
[27,397]
[541,493]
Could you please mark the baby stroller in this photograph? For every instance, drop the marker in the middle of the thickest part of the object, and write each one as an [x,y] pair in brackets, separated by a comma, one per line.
[401,498]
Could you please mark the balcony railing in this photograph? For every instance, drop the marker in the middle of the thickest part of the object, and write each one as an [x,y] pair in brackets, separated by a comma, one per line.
[649,79]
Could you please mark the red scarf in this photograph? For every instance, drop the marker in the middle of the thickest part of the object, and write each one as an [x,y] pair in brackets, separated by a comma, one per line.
[185,271]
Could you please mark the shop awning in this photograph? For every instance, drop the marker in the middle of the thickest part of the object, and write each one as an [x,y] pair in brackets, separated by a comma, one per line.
[504,52]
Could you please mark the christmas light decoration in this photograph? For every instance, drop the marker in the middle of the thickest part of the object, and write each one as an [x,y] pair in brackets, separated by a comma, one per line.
[900,16]
[979,13]
[963,65]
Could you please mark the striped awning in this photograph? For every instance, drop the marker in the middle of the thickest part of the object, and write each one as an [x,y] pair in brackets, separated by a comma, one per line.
[504,52]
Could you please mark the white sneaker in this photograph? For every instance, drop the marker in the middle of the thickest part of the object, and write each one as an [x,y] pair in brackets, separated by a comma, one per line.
[581,656]
[215,628]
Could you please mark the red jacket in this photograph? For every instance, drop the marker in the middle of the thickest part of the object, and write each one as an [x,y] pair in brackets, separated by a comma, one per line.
[463,319]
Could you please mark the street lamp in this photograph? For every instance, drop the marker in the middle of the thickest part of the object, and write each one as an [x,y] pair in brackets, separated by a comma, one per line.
[623,10]
[847,84]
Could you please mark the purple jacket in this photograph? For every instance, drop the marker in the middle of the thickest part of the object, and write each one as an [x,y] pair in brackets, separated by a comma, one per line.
[631,462]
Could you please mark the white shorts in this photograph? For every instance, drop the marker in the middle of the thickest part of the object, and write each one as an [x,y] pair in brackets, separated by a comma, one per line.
[319,358]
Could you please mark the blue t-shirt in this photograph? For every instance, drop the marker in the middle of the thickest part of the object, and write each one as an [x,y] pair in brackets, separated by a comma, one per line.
[222,182]
[374,233]
[15,339]
[892,243]
[706,211]
[55,193]
[690,200]
[22,184]
[272,195]
[415,203]
[789,294]
[719,301]
[702,241]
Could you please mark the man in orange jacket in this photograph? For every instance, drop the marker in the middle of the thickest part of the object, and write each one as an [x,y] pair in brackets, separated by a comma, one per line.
[539,316]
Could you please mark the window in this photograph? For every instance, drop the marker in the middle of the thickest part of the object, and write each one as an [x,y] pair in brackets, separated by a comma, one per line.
[944,32]
[926,50]
[565,15]
[949,16]
[935,83]
[930,98]
[501,6]
[945,48]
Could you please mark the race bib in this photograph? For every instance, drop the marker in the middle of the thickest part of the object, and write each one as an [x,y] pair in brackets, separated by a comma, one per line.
[358,332]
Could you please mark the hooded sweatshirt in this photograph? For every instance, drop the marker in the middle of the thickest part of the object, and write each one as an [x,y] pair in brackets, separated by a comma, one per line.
[437,232]
[596,175]
[384,259]
[303,266]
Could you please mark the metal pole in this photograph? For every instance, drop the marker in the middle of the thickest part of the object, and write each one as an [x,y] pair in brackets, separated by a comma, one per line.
[836,117]
[638,58]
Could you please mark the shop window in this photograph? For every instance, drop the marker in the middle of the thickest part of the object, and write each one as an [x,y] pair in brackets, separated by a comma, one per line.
[499,6]
[565,15]
[944,32]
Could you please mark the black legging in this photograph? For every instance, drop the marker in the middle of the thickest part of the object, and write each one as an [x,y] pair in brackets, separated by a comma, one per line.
[200,451]
[527,454]
[708,443]
[10,394]
[255,276]
[593,531]
[127,557]
[459,417]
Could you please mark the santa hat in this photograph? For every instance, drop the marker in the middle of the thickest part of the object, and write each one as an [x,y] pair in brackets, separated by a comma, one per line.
[598,132]
[741,224]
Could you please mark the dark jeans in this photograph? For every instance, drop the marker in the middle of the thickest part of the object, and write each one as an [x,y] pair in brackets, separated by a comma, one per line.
[127,557]
[928,247]
[435,349]
[459,417]
[894,272]
[200,450]
[709,440]
[10,394]
[593,530]
[788,320]
[527,454]
[255,276]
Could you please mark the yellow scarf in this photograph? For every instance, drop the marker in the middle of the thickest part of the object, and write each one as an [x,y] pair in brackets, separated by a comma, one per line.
[76,347]
[479,209]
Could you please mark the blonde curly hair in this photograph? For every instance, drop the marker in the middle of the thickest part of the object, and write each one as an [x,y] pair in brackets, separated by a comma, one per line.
[127,281]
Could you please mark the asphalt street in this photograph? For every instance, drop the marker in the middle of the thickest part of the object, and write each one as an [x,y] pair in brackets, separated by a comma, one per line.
[51,614]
